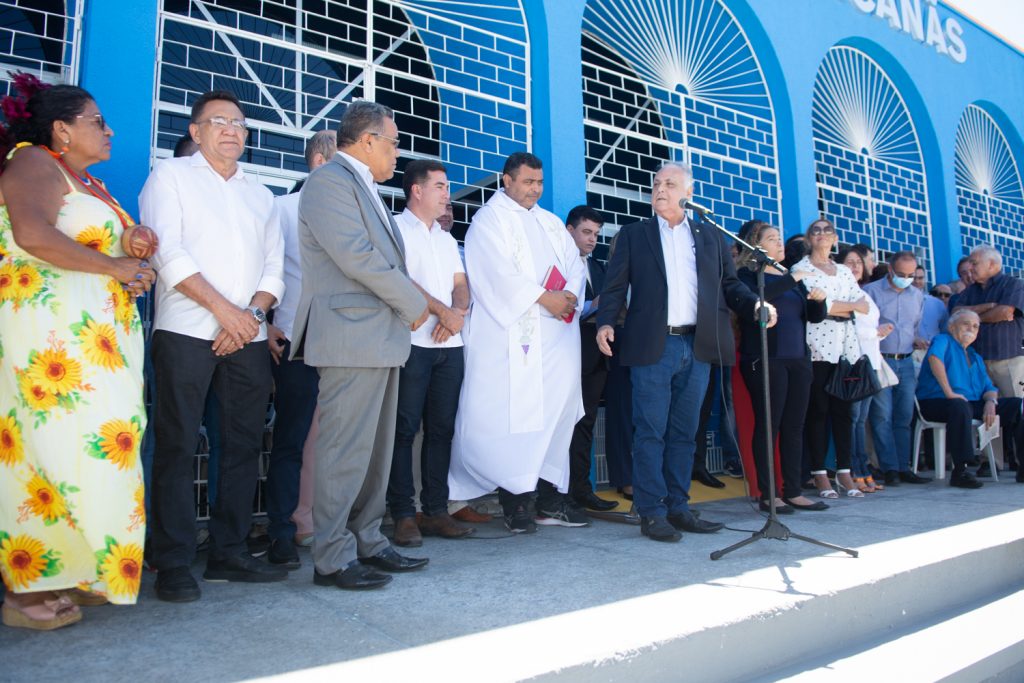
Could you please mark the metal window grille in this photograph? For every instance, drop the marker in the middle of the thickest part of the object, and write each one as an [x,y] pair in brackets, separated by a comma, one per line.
[40,37]
[870,175]
[682,83]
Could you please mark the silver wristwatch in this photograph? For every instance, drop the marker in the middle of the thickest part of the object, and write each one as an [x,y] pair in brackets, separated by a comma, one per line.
[258,313]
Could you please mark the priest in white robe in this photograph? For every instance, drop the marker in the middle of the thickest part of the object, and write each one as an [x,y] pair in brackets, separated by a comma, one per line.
[521,394]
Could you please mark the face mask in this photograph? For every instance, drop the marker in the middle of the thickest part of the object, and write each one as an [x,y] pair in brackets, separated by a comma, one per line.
[902,282]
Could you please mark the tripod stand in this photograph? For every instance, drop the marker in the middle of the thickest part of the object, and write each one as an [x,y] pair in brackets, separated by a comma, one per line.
[773,528]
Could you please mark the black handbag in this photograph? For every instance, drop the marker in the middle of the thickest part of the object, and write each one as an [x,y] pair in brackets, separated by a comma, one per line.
[853,382]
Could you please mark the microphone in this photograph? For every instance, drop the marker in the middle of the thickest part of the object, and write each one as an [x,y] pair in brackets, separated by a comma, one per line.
[694,206]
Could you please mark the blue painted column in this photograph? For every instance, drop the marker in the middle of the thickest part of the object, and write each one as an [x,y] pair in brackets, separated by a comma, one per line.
[556,72]
[118,59]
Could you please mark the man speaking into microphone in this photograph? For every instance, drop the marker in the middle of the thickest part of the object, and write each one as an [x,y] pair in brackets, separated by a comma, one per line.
[683,282]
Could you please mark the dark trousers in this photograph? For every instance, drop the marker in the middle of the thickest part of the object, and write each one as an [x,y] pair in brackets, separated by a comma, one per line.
[295,392]
[719,385]
[618,420]
[957,414]
[186,368]
[789,386]
[821,409]
[428,392]
[593,381]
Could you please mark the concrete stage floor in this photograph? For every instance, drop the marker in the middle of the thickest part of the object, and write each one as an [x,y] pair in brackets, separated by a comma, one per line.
[471,586]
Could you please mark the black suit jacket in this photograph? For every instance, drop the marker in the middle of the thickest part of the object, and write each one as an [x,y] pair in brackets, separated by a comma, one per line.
[592,358]
[750,333]
[639,263]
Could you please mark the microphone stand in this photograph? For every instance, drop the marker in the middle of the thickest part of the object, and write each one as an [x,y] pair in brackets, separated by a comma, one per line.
[773,528]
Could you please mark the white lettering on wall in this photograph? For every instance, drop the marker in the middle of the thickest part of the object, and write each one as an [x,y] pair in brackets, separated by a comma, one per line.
[920,20]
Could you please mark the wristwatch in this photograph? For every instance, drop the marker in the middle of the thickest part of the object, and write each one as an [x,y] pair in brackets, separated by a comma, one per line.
[258,313]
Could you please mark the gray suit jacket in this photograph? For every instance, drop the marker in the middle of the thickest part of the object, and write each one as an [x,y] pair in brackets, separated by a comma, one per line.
[357,299]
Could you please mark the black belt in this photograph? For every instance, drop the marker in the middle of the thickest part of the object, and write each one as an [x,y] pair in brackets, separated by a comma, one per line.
[681,330]
[838,319]
[896,356]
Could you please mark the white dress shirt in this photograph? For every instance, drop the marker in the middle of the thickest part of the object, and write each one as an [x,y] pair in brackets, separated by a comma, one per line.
[364,173]
[227,230]
[680,271]
[288,215]
[432,258]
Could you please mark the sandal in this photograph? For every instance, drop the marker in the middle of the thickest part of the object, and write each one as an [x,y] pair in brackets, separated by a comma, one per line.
[821,483]
[850,492]
[54,611]
[862,485]
[870,481]
[84,598]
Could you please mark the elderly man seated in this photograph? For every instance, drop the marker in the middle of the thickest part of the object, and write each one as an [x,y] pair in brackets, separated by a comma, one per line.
[955,388]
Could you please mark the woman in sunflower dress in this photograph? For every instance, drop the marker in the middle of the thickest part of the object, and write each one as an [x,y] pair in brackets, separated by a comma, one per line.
[72,520]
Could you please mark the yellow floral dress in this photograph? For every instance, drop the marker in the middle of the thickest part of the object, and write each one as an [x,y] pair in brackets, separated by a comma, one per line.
[72,511]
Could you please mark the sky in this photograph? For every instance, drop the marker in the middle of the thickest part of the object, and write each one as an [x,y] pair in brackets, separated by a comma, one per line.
[1005,18]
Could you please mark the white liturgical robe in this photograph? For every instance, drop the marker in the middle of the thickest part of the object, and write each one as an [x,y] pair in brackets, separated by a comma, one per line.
[521,393]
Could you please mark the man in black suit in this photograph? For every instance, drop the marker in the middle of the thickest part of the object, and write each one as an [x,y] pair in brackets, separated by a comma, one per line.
[680,274]
[584,224]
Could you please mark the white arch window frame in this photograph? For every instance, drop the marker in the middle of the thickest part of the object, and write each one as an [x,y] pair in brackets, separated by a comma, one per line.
[368,65]
[870,200]
[681,148]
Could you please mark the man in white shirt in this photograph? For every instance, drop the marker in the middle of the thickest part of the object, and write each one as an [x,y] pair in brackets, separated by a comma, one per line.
[295,383]
[220,264]
[521,394]
[429,382]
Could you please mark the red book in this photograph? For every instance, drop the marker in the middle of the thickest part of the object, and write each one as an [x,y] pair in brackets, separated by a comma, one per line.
[554,281]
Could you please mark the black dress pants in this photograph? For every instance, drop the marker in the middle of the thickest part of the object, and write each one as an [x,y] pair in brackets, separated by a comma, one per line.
[593,381]
[186,368]
[823,409]
[790,387]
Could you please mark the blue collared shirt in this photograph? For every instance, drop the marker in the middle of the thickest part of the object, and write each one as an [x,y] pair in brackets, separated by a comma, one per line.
[934,317]
[902,308]
[997,341]
[969,379]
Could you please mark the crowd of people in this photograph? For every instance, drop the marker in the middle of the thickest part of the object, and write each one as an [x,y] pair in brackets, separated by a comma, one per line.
[369,328]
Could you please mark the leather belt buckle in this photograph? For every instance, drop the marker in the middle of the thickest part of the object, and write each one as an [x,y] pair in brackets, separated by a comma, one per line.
[681,330]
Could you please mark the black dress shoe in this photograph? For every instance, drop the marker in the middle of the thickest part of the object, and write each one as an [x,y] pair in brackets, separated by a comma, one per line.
[892,478]
[964,480]
[708,479]
[687,521]
[909,477]
[816,505]
[780,508]
[658,529]
[282,553]
[242,568]
[621,491]
[390,561]
[984,471]
[176,585]
[355,577]
[592,501]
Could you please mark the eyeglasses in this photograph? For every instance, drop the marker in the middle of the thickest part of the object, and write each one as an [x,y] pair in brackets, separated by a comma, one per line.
[821,230]
[222,122]
[98,119]
[393,141]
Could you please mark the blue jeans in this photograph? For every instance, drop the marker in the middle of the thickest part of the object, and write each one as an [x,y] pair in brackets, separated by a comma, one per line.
[859,446]
[666,409]
[428,391]
[891,414]
[295,392]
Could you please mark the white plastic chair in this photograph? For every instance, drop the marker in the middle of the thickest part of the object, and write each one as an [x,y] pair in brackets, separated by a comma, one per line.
[939,441]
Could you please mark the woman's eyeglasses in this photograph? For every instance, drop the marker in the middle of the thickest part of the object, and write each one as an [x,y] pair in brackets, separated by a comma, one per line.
[821,230]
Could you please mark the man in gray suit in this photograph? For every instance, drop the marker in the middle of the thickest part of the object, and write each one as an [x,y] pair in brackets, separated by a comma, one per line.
[357,307]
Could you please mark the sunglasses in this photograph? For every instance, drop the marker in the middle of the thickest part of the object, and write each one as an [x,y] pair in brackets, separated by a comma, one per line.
[941,295]
[821,230]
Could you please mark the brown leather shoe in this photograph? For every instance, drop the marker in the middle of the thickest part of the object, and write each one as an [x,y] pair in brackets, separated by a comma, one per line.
[407,534]
[443,525]
[471,516]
